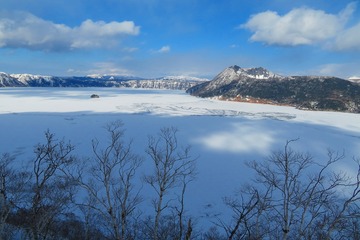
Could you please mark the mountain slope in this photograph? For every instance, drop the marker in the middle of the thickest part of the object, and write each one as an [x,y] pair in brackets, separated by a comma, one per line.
[260,85]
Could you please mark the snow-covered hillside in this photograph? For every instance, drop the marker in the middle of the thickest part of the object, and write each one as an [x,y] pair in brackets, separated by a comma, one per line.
[223,135]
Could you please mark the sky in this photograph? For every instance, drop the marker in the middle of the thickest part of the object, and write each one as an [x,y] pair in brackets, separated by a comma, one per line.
[154,38]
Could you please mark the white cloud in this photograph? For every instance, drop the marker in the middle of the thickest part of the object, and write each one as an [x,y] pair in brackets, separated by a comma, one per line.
[342,70]
[349,39]
[300,26]
[24,30]
[164,49]
[330,69]
[130,49]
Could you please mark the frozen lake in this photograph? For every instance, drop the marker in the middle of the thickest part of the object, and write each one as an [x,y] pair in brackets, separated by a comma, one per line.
[222,134]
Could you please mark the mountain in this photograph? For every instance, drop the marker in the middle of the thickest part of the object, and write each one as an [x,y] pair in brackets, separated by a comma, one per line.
[184,78]
[262,86]
[354,79]
[29,80]
[8,81]
[168,82]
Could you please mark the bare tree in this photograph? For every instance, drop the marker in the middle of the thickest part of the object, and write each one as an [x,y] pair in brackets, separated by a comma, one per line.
[302,195]
[243,208]
[5,203]
[345,214]
[212,234]
[185,178]
[109,182]
[49,192]
[173,168]
[12,185]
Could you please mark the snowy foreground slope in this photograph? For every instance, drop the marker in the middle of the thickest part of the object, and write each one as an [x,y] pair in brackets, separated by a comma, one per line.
[222,134]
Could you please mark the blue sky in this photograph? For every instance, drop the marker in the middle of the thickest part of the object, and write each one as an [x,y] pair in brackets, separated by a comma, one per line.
[153,38]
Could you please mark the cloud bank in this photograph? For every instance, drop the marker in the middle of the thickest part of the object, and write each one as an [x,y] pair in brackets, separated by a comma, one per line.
[305,26]
[24,30]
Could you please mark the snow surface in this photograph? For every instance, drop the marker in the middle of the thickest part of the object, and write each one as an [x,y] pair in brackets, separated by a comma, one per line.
[223,135]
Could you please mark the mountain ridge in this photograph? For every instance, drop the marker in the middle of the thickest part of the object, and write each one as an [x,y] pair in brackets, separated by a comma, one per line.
[30,80]
[262,86]
[257,85]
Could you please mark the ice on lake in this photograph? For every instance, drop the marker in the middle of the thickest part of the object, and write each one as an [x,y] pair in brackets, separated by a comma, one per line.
[223,134]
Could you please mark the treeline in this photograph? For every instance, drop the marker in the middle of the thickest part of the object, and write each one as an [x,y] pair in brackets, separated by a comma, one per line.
[58,195]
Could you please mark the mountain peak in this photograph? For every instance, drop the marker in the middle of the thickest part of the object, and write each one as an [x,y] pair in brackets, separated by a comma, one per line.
[235,68]
[237,73]
[258,73]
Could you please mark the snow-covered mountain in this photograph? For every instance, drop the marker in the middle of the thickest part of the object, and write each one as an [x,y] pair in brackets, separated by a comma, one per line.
[184,78]
[95,80]
[35,80]
[8,81]
[354,79]
[168,82]
[236,73]
[112,77]
[25,78]
[260,85]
